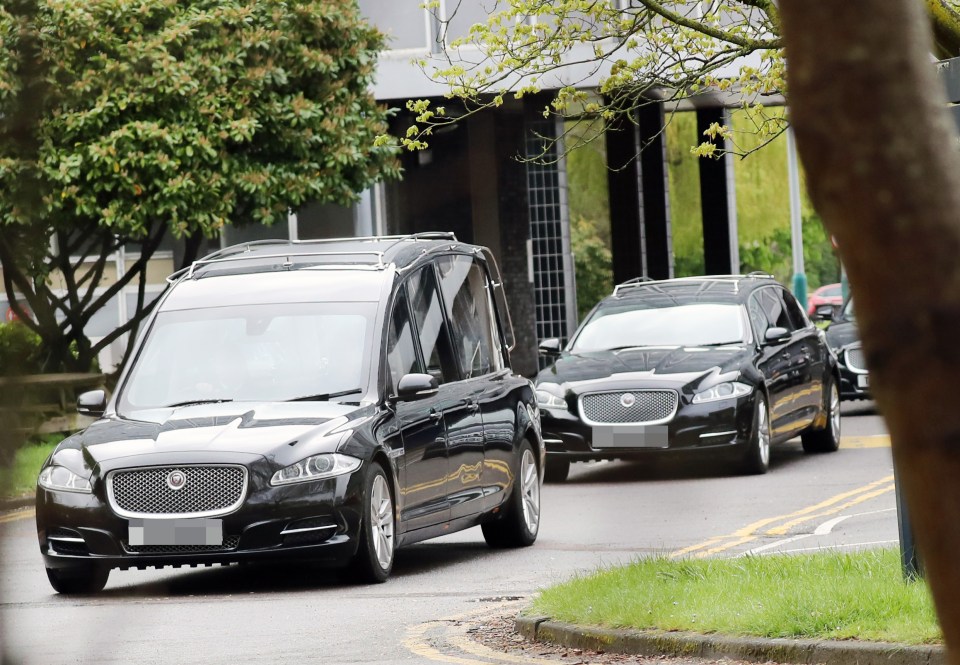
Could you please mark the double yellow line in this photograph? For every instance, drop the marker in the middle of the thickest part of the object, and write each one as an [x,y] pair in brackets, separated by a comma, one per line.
[781,524]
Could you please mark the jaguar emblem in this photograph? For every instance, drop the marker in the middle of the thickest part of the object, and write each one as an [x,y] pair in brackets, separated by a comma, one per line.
[627,400]
[176,479]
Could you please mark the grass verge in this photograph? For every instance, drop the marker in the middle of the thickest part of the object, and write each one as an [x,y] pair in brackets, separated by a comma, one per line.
[21,476]
[830,595]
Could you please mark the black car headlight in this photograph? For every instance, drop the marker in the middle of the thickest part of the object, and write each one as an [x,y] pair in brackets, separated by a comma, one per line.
[316,467]
[721,391]
[61,479]
[550,397]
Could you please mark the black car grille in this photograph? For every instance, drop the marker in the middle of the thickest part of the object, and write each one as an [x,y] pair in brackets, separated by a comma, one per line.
[229,543]
[855,360]
[648,406]
[207,490]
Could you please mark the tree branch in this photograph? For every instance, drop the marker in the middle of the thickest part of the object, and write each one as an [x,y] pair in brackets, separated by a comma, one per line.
[716,33]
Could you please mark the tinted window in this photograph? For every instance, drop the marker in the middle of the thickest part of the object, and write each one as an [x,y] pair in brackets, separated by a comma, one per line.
[797,316]
[757,316]
[431,327]
[774,309]
[628,325]
[465,294]
[401,351]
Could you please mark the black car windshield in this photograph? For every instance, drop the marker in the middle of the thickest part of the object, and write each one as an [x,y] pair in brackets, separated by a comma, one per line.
[696,324]
[275,352]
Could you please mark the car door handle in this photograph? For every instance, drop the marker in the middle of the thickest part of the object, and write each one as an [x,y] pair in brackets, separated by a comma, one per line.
[435,415]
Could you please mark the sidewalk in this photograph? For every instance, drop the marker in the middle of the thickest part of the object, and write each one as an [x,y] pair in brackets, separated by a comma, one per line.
[755,649]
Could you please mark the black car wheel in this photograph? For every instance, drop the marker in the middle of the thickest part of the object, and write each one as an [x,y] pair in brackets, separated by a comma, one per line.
[827,439]
[520,522]
[374,559]
[756,460]
[81,579]
[556,470]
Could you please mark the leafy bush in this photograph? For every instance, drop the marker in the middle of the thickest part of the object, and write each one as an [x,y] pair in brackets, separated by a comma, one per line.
[593,262]
[20,350]
[773,254]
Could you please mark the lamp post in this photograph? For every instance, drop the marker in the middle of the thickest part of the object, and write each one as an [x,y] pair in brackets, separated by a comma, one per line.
[796,222]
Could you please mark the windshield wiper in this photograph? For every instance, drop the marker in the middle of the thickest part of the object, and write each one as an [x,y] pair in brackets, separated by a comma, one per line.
[323,397]
[191,402]
[736,343]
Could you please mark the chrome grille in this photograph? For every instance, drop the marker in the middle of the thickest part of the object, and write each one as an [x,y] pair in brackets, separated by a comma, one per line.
[207,491]
[855,360]
[229,543]
[649,406]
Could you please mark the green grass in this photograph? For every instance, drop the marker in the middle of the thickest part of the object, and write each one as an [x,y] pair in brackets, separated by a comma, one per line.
[826,595]
[21,477]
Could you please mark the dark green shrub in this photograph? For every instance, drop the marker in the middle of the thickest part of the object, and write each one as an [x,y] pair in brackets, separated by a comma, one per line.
[19,350]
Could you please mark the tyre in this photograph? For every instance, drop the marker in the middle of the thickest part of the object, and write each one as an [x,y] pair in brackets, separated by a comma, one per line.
[519,522]
[556,469]
[82,579]
[756,460]
[826,440]
[374,558]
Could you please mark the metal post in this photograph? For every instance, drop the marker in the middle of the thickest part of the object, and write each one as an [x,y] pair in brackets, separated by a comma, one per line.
[796,222]
[909,558]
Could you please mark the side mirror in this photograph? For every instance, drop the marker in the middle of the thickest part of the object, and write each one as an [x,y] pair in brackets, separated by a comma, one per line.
[92,403]
[550,347]
[825,312]
[416,386]
[776,335]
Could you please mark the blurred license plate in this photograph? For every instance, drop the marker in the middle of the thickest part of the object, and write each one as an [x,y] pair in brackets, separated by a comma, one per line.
[188,531]
[863,381]
[630,436]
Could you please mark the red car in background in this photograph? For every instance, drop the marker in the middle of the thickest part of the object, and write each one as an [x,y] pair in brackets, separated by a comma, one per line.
[828,294]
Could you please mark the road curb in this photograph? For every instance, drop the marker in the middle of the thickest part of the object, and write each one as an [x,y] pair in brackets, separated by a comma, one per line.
[692,645]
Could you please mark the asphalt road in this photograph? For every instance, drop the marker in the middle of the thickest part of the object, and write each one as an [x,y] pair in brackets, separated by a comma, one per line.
[604,514]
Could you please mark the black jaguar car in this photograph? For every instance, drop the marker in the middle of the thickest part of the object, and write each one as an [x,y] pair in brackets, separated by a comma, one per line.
[724,365]
[326,400]
[844,338]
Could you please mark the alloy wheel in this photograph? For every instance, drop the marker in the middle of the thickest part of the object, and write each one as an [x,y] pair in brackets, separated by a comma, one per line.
[835,412]
[530,491]
[381,521]
[763,434]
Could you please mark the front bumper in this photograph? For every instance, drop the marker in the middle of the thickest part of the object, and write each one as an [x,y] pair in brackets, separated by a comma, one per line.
[853,385]
[696,428]
[317,520]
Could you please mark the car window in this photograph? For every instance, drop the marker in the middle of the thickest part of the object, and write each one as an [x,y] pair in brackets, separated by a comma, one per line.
[465,294]
[797,316]
[431,327]
[251,353]
[635,324]
[775,310]
[757,316]
[401,353]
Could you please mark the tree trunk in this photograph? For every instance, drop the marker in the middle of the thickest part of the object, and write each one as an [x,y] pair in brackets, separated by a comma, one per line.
[884,172]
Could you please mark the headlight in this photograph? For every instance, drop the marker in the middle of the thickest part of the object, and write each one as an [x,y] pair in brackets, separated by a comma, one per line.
[547,399]
[317,467]
[722,391]
[62,479]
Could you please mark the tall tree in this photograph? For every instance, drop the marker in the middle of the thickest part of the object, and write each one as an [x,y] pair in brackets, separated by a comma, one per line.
[884,172]
[123,122]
